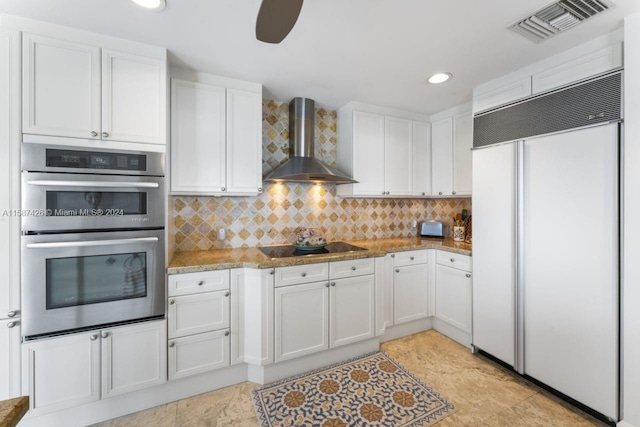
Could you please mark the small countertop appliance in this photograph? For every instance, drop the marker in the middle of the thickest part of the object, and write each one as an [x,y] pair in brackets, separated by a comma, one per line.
[431,229]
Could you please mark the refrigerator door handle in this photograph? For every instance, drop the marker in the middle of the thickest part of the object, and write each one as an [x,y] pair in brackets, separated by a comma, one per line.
[519,291]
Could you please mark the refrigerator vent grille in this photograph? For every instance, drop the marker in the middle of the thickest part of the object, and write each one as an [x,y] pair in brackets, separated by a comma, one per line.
[557,17]
[594,101]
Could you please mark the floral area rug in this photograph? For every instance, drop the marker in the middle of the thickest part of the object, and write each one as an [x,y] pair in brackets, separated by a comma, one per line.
[372,390]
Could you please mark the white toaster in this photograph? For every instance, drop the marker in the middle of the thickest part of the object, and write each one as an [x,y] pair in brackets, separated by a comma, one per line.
[431,229]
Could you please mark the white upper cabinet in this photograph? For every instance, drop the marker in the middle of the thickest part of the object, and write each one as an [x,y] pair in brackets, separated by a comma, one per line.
[503,92]
[61,88]
[398,161]
[451,142]
[197,137]
[421,159]
[134,101]
[377,147]
[442,157]
[368,153]
[76,90]
[244,141]
[216,139]
[462,144]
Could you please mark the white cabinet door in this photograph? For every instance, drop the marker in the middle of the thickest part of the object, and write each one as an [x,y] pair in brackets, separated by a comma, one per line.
[368,154]
[442,157]
[193,314]
[61,88]
[421,159]
[301,320]
[10,134]
[244,142]
[410,292]
[133,357]
[198,353]
[453,297]
[500,92]
[133,98]
[198,147]
[63,372]
[9,359]
[462,143]
[351,310]
[398,156]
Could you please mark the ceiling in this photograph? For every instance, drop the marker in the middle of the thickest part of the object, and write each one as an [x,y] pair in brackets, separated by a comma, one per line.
[373,51]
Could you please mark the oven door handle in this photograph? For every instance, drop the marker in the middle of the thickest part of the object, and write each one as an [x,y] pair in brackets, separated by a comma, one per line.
[51,183]
[51,245]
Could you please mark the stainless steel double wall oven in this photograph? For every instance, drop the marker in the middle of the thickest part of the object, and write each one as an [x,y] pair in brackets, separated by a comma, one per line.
[93,237]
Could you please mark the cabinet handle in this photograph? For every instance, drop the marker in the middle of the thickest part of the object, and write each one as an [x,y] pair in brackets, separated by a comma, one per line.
[201,282]
[94,337]
[388,193]
[353,268]
[272,272]
[94,133]
[452,260]
[223,189]
[333,283]
[304,274]
[172,301]
[440,193]
[12,313]
[423,193]
[393,255]
[227,294]
[226,334]
[259,189]
[11,324]
[104,334]
[411,258]
[453,192]
[468,275]
[172,344]
[383,193]
[397,270]
[105,135]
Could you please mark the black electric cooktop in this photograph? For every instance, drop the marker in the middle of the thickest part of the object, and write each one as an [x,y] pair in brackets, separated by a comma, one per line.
[286,251]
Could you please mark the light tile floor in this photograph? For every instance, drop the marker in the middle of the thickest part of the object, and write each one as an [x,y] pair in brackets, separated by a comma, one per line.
[484,393]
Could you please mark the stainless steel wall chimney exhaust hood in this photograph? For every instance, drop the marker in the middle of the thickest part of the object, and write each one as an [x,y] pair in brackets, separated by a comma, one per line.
[302,166]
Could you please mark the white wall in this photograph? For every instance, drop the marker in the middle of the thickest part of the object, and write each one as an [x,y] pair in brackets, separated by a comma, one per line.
[631,270]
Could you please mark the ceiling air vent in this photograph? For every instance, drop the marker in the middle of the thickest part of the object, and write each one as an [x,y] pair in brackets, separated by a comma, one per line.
[557,17]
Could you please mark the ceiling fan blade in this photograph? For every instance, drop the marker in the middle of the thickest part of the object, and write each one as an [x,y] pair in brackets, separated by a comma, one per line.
[276,19]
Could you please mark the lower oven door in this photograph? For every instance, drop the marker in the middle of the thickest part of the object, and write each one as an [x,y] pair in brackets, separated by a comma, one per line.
[80,280]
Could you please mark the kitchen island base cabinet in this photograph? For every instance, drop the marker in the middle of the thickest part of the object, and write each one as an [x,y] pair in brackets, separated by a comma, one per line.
[85,367]
[301,320]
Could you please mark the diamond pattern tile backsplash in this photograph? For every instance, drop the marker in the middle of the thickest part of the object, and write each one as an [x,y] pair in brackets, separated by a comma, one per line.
[271,218]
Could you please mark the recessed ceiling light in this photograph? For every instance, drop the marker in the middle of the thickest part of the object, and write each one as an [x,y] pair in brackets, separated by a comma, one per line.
[439,78]
[155,5]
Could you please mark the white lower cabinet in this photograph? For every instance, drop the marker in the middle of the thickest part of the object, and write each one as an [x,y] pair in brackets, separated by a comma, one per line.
[75,369]
[9,358]
[199,322]
[351,310]
[410,293]
[198,353]
[311,317]
[454,292]
[301,320]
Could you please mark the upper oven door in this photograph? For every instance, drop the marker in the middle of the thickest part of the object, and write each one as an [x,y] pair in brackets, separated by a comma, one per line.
[66,202]
[80,280]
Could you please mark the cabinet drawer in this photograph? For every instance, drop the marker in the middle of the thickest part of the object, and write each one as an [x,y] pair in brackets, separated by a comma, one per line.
[199,353]
[351,268]
[193,314]
[193,283]
[300,274]
[409,258]
[450,259]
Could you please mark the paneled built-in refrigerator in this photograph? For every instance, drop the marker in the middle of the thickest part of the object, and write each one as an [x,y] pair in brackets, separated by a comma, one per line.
[546,242]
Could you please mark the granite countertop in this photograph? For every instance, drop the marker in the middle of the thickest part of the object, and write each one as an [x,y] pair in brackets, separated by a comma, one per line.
[12,411]
[220,259]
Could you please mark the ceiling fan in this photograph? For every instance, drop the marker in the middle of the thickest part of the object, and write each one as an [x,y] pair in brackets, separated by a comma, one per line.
[276,19]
